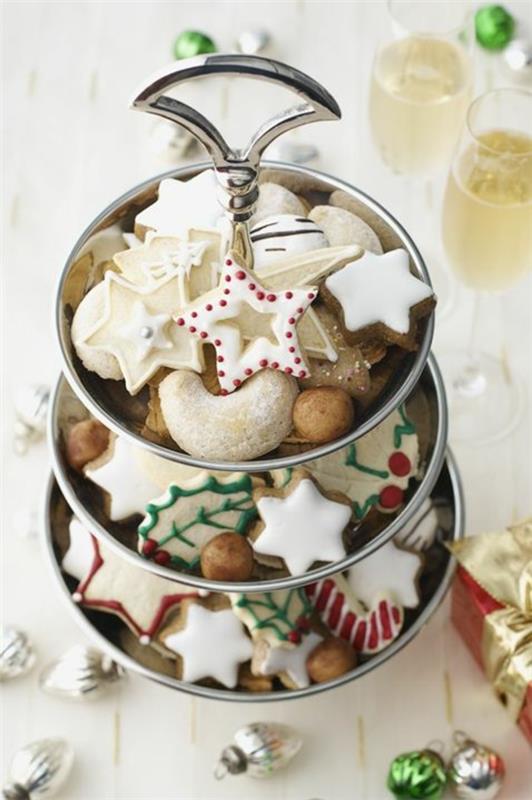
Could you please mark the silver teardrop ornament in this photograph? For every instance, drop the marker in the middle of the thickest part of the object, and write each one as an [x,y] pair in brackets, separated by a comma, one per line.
[17,656]
[82,673]
[39,770]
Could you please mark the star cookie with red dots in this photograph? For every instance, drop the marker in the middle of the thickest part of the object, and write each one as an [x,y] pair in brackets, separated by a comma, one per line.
[217,317]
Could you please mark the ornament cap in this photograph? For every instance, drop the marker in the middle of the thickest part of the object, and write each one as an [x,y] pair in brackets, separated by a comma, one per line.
[232,760]
[15,791]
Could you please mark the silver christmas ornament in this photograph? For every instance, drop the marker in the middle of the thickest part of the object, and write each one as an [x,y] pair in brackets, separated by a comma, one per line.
[253,42]
[260,749]
[518,59]
[39,770]
[171,142]
[17,656]
[474,770]
[82,673]
[31,408]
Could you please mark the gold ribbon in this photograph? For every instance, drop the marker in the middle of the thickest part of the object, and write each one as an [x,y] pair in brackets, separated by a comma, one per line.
[501,563]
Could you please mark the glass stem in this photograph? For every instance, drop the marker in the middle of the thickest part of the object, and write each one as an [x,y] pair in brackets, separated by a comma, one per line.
[471,382]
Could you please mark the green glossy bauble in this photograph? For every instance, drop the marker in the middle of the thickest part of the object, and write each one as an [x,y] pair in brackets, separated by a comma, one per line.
[494,27]
[419,775]
[193,43]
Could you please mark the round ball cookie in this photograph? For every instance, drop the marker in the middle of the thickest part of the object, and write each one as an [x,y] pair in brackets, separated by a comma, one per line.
[282,236]
[341,227]
[245,424]
[90,310]
[330,659]
[323,414]
[275,199]
[227,557]
[86,441]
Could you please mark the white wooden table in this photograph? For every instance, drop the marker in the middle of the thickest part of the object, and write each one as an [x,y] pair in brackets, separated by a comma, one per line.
[72,146]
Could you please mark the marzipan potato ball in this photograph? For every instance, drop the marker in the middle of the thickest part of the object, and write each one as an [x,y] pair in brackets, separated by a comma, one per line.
[323,414]
[227,557]
[330,659]
[86,441]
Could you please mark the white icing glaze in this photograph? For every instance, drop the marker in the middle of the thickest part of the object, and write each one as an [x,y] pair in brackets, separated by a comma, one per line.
[291,659]
[302,527]
[146,331]
[378,288]
[212,645]
[389,570]
[78,559]
[284,235]
[122,476]
[183,204]
[420,531]
[215,318]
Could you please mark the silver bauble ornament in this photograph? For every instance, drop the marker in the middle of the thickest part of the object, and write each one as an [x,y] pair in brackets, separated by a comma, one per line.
[260,749]
[474,770]
[252,42]
[39,770]
[82,673]
[31,408]
[17,656]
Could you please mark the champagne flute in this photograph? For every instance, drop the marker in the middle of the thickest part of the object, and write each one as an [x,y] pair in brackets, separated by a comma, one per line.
[487,234]
[420,89]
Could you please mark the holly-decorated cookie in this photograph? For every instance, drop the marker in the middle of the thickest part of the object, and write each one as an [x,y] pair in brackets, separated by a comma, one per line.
[368,631]
[210,640]
[191,513]
[109,583]
[375,470]
[378,297]
[300,524]
[390,569]
[277,618]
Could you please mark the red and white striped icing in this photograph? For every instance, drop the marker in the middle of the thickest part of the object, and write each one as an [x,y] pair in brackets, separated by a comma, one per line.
[368,631]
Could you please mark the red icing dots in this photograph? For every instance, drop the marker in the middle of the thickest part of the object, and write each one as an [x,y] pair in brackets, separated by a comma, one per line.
[241,275]
[399,464]
[391,497]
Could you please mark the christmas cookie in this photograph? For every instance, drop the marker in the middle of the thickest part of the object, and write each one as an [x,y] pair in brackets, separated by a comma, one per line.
[182,205]
[368,631]
[210,641]
[375,470]
[323,414]
[191,513]
[217,318]
[422,530]
[109,583]
[284,235]
[241,426]
[275,199]
[341,227]
[391,569]
[300,524]
[288,661]
[377,296]
[274,617]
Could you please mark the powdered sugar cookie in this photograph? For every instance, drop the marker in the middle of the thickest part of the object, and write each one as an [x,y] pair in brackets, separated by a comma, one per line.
[109,583]
[341,227]
[391,569]
[300,524]
[275,617]
[377,296]
[284,235]
[211,643]
[190,513]
[368,631]
[275,199]
[241,426]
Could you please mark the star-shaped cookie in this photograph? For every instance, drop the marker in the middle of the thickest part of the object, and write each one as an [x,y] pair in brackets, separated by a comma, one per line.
[288,659]
[110,583]
[217,316]
[378,296]
[155,341]
[212,644]
[300,524]
[392,570]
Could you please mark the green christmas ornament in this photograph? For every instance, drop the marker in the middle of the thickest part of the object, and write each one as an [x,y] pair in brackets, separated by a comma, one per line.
[193,43]
[419,775]
[494,27]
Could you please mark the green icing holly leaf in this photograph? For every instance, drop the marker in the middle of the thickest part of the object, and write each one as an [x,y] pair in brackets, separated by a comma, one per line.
[276,616]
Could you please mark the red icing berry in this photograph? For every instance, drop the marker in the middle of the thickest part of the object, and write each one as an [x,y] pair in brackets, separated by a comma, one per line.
[294,636]
[248,371]
[303,623]
[236,382]
[208,307]
[241,275]
[399,464]
[204,334]
[223,302]
[260,295]
[192,329]
[162,557]
[217,342]
[391,497]
[180,321]
[252,287]
[271,298]
[194,314]
[149,546]
[263,362]
[288,295]
[288,370]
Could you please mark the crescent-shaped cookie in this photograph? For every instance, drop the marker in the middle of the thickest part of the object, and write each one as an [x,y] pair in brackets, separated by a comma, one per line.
[243,425]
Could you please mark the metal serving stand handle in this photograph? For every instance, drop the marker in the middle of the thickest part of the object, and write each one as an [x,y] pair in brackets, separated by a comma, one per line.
[236,169]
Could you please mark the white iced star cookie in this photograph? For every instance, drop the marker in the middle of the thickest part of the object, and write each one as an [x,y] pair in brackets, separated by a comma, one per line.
[212,644]
[181,205]
[300,525]
[155,341]
[378,296]
[288,661]
[217,316]
[110,583]
[391,570]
